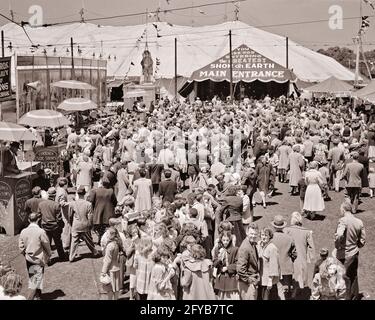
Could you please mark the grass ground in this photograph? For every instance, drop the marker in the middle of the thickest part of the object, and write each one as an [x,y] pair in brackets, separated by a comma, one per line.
[79,280]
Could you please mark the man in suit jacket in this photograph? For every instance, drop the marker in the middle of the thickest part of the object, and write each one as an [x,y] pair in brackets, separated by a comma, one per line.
[248,265]
[9,159]
[103,201]
[32,205]
[287,254]
[353,174]
[80,213]
[52,221]
[35,246]
[167,188]
[350,237]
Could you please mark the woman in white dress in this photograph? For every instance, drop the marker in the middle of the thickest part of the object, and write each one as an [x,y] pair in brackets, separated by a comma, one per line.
[143,192]
[313,197]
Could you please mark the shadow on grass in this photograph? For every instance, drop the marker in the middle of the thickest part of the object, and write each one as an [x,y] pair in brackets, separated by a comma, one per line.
[53,295]
[87,255]
[272,203]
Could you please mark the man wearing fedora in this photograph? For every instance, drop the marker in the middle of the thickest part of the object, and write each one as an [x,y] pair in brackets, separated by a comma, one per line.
[353,175]
[52,221]
[10,159]
[287,254]
[80,213]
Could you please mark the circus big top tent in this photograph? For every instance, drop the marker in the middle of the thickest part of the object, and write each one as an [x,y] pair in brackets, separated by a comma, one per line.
[197,47]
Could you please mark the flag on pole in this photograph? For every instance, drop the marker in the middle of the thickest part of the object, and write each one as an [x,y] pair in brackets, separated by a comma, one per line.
[364,25]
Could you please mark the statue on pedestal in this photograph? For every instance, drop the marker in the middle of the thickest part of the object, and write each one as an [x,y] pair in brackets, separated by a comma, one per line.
[147,67]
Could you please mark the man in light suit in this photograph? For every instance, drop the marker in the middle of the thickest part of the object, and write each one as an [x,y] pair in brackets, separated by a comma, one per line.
[287,253]
[80,212]
[349,238]
[35,246]
[353,176]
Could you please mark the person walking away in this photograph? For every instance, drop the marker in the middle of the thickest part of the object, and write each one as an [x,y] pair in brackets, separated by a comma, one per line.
[336,158]
[103,201]
[305,248]
[35,246]
[288,254]
[52,221]
[248,265]
[353,176]
[313,201]
[62,199]
[143,192]
[350,237]
[80,213]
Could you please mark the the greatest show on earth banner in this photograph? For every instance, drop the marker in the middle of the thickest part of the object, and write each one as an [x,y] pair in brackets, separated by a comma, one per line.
[34,75]
[247,66]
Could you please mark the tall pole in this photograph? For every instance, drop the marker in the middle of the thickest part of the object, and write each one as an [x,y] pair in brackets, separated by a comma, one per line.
[356,61]
[72,54]
[175,68]
[2,44]
[287,52]
[230,65]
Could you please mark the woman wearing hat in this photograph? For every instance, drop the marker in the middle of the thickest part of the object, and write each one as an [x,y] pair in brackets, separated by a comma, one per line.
[313,198]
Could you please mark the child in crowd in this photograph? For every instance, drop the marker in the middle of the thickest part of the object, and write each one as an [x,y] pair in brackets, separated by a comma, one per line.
[371,181]
[224,260]
[160,287]
[196,276]
[111,266]
[143,265]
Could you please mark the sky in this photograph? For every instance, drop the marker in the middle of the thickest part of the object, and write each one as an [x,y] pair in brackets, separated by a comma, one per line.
[277,16]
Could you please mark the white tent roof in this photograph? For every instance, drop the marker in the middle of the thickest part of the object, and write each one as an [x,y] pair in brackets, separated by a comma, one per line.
[197,47]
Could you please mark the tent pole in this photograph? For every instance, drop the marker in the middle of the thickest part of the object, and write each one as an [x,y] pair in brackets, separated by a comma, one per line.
[230,65]
[175,68]
[287,52]
[2,44]
[72,54]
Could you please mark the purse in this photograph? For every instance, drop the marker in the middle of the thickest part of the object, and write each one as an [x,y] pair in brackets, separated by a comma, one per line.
[105,279]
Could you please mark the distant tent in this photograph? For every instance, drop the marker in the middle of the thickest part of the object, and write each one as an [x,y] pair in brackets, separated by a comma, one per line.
[331,85]
[255,74]
[366,91]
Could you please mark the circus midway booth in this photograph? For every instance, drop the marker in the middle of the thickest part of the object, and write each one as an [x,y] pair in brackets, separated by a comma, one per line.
[253,75]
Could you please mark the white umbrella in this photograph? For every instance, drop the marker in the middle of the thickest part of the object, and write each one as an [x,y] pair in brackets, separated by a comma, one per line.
[77,104]
[14,132]
[73,84]
[44,118]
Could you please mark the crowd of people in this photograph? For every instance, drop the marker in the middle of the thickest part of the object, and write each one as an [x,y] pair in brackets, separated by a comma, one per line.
[168,194]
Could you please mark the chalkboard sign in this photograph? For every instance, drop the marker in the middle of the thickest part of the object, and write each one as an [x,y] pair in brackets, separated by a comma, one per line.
[49,158]
[5,197]
[22,193]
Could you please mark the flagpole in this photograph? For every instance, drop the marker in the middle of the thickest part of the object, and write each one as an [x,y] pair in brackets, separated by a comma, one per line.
[230,66]
[175,68]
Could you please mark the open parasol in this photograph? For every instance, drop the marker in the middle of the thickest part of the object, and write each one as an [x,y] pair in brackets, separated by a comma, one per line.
[44,118]
[73,84]
[77,104]
[14,132]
